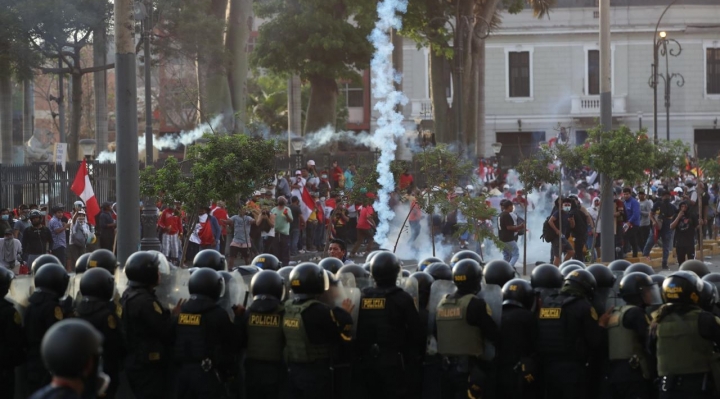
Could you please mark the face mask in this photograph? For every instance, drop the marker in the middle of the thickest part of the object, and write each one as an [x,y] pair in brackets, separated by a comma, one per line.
[81,221]
[566,209]
[36,222]
[5,217]
[324,176]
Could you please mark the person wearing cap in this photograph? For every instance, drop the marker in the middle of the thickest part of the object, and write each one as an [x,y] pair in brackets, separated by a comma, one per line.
[312,172]
[297,183]
[79,233]
[11,250]
[57,227]
[323,186]
[661,217]
[311,180]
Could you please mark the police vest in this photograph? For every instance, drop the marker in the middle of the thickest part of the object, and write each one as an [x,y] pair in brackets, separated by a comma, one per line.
[297,344]
[375,323]
[191,338]
[680,348]
[454,335]
[556,338]
[623,342]
[265,335]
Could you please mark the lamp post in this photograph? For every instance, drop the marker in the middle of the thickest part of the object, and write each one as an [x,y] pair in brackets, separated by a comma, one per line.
[297,144]
[497,147]
[665,47]
[88,148]
[654,68]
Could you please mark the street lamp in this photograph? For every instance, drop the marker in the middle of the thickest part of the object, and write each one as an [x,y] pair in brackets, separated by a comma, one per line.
[653,68]
[88,148]
[297,144]
[497,147]
[665,47]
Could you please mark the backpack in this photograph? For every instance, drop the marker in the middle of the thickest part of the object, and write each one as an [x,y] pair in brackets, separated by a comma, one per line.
[205,234]
[78,237]
[548,233]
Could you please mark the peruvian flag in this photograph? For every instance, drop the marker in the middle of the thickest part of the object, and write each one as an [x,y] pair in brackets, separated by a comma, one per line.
[307,205]
[81,186]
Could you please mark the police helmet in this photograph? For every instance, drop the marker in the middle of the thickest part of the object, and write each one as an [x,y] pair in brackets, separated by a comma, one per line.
[619,265]
[142,267]
[331,264]
[569,269]
[248,270]
[104,259]
[371,255]
[385,268]
[34,214]
[467,275]
[571,262]
[405,273]
[6,278]
[267,262]
[97,283]
[52,277]
[708,296]
[696,266]
[518,292]
[439,271]
[211,259]
[207,282]
[366,267]
[424,282]
[267,283]
[284,272]
[713,278]
[640,267]
[498,272]
[44,260]
[582,280]
[308,280]
[603,276]
[466,254]
[68,346]
[81,263]
[546,276]
[356,270]
[427,262]
[682,287]
[637,288]
[658,279]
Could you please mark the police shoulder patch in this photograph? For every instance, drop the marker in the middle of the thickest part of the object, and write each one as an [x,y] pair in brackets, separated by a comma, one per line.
[593,313]
[58,313]
[16,318]
[157,307]
[550,313]
[118,311]
[488,310]
[111,322]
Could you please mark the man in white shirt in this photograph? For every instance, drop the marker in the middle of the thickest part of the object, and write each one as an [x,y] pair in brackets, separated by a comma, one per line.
[10,250]
[296,184]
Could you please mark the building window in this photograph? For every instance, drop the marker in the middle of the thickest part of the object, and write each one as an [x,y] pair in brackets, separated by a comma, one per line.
[519,73]
[712,58]
[250,45]
[593,72]
[353,95]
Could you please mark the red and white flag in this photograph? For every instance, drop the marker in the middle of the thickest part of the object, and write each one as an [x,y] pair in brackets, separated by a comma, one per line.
[307,205]
[82,188]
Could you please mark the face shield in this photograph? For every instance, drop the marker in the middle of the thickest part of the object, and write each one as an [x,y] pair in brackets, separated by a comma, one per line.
[651,295]
[326,281]
[222,287]
[162,262]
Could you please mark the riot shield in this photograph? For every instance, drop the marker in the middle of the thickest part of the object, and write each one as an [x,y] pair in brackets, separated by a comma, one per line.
[74,288]
[411,287]
[600,299]
[545,293]
[21,288]
[613,300]
[121,281]
[346,289]
[244,296]
[492,295]
[234,292]
[173,287]
[438,290]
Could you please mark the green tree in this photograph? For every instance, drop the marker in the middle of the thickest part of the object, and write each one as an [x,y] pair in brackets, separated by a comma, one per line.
[319,40]
[669,156]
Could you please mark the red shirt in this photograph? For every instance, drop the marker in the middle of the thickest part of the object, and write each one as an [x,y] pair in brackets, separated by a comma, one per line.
[415,212]
[171,221]
[221,215]
[405,181]
[336,173]
[366,212]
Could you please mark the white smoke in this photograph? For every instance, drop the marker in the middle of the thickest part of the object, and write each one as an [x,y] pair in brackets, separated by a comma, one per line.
[328,135]
[170,141]
[390,121]
[422,247]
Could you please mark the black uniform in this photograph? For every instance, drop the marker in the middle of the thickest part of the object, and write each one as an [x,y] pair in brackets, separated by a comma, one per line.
[263,339]
[389,342]
[326,330]
[105,317]
[516,358]
[50,392]
[569,335]
[205,349]
[12,352]
[625,377]
[147,328]
[43,311]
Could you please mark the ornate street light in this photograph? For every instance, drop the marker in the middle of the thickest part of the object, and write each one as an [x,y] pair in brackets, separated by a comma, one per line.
[297,145]
[665,47]
[88,148]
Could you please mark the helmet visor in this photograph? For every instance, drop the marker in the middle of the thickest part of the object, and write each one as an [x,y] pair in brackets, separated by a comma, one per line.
[222,287]
[162,262]
[651,295]
[326,281]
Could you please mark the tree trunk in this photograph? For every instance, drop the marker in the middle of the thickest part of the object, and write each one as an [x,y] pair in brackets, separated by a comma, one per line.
[480,123]
[28,111]
[239,19]
[323,100]
[438,95]
[6,112]
[74,153]
[100,88]
[217,90]
[201,74]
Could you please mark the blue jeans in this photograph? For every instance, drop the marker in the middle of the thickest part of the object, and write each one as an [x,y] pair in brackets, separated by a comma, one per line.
[588,244]
[294,237]
[666,237]
[414,230]
[511,252]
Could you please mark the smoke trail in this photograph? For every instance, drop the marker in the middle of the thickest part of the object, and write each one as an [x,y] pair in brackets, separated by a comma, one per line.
[390,121]
[170,141]
[328,134]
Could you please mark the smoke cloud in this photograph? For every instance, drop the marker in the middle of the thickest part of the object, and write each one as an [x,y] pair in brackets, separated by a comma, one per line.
[389,122]
[170,141]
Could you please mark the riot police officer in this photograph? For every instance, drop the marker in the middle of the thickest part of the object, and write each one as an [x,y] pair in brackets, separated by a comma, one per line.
[44,310]
[103,259]
[312,333]
[205,339]
[630,370]
[12,353]
[517,366]
[266,373]
[425,383]
[210,258]
[464,322]
[146,325]
[569,335]
[683,336]
[97,287]
[389,334]
[71,351]
[267,262]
